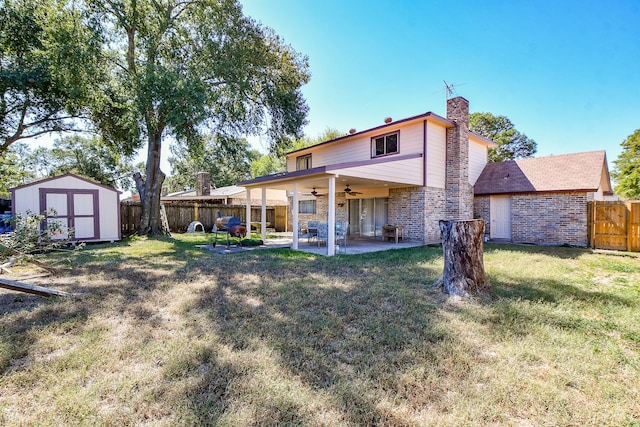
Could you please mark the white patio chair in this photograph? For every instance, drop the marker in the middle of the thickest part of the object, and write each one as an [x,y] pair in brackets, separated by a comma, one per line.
[323,234]
[341,234]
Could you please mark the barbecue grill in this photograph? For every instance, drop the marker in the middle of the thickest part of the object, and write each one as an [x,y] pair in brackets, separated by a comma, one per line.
[229,225]
[224,222]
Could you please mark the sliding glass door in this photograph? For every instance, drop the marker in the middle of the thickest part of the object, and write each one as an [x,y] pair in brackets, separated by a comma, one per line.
[367,216]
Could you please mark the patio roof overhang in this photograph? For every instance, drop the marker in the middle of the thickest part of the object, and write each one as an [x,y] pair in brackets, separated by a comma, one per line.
[374,173]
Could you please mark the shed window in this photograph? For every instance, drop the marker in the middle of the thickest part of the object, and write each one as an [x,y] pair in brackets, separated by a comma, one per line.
[385,144]
[303,162]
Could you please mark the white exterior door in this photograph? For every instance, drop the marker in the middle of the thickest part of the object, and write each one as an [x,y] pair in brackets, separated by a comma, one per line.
[501,217]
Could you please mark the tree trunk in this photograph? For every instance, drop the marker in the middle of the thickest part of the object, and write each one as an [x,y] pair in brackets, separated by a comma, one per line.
[463,257]
[150,190]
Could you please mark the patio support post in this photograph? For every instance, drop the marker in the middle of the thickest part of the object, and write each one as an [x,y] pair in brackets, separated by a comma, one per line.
[331,223]
[263,217]
[296,220]
[248,213]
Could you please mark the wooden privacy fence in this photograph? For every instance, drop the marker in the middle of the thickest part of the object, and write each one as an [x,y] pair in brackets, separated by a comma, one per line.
[614,225]
[180,215]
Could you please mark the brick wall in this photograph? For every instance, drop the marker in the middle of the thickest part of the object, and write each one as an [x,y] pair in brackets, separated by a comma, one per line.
[543,218]
[550,218]
[418,209]
[322,209]
[406,208]
[482,210]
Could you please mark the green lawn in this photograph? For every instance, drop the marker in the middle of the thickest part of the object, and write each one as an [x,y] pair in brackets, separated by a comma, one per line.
[168,334]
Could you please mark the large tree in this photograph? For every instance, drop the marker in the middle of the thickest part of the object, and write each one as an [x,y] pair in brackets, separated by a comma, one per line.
[511,143]
[227,159]
[50,66]
[626,170]
[183,66]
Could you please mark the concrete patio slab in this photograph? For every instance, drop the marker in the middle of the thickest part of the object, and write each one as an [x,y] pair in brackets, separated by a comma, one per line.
[356,246]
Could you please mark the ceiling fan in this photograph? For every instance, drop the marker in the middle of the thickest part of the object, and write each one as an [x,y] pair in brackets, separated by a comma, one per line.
[349,192]
[314,193]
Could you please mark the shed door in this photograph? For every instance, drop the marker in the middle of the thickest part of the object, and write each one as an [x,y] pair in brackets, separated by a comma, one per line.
[75,209]
[501,217]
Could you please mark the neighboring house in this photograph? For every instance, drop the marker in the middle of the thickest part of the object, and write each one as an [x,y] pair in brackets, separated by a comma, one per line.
[541,200]
[91,209]
[230,195]
[411,172]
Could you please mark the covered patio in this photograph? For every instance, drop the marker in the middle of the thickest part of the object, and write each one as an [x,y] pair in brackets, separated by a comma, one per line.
[338,187]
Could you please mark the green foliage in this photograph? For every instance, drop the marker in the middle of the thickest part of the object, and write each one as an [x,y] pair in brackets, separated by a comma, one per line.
[306,141]
[276,161]
[268,164]
[626,171]
[50,66]
[88,157]
[511,143]
[251,242]
[34,233]
[227,159]
[13,170]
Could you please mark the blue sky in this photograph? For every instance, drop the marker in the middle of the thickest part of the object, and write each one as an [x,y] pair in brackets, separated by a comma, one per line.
[567,73]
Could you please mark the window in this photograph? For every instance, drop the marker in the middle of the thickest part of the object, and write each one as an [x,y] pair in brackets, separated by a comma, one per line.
[385,144]
[307,206]
[303,162]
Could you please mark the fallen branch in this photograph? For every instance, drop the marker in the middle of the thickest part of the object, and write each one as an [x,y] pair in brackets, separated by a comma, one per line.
[33,289]
[4,267]
[42,265]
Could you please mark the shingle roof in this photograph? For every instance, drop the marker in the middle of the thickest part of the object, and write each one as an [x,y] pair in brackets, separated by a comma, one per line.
[567,172]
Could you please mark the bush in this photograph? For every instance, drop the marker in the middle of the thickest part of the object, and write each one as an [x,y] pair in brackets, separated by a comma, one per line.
[37,233]
[251,242]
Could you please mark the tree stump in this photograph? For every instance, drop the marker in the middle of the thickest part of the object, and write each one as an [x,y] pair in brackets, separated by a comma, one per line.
[463,257]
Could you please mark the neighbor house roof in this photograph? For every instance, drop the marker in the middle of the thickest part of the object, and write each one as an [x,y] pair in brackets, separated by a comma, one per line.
[220,193]
[567,172]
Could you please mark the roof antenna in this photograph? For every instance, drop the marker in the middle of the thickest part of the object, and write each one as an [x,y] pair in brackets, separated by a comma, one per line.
[449,90]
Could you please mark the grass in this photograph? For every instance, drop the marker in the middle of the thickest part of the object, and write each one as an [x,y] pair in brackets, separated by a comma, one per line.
[168,334]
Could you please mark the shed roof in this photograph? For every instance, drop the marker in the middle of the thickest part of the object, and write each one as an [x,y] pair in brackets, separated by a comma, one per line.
[58,177]
[566,172]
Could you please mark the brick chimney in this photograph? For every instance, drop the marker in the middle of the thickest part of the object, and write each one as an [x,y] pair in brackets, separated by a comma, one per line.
[459,191]
[203,184]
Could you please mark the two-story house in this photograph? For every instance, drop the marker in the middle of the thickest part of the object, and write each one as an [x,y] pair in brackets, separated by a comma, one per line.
[411,172]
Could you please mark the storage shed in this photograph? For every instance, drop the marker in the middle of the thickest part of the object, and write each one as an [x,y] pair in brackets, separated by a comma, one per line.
[91,209]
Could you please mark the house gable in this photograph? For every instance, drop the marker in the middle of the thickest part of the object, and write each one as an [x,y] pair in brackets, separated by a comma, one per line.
[423,135]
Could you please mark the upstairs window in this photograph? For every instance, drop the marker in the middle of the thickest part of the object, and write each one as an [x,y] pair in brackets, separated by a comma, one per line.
[303,162]
[385,144]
